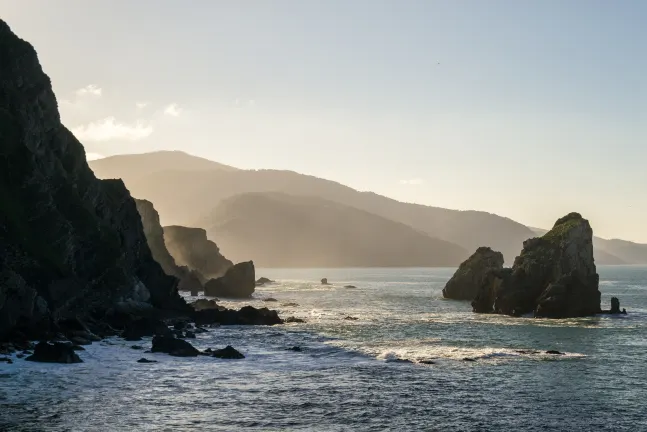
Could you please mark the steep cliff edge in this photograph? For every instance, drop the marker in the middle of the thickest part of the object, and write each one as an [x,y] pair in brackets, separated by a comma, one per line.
[554,276]
[190,247]
[70,245]
[190,280]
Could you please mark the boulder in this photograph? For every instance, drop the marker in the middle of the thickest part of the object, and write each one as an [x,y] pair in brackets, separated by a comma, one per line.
[202,304]
[56,352]
[247,315]
[324,281]
[138,328]
[227,352]
[263,280]
[467,280]
[238,282]
[174,347]
[553,277]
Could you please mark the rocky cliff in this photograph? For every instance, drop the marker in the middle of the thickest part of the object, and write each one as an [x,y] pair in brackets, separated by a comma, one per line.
[468,279]
[554,276]
[70,245]
[190,247]
[190,280]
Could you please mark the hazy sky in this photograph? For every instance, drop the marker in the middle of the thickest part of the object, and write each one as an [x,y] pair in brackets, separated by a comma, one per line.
[527,109]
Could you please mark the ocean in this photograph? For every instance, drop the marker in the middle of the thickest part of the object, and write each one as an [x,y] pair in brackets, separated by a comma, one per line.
[386,355]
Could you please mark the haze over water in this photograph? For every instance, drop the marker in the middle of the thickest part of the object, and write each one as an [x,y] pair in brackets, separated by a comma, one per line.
[347,376]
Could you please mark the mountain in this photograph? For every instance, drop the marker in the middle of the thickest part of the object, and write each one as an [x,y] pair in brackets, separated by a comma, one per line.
[614,252]
[188,196]
[139,165]
[280,230]
[71,246]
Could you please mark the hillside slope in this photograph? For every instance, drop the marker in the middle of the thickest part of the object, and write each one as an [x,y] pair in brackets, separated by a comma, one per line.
[280,230]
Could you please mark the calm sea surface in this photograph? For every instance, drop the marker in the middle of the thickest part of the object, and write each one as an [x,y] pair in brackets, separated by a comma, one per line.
[350,374]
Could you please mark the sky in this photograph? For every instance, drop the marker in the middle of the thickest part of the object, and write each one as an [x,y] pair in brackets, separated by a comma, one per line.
[526,109]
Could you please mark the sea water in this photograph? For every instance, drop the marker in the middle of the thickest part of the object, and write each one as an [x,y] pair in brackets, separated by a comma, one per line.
[386,355]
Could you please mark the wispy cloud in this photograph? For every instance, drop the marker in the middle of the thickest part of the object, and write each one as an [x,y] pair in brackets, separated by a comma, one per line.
[173,110]
[141,105]
[414,182]
[109,129]
[91,90]
[93,156]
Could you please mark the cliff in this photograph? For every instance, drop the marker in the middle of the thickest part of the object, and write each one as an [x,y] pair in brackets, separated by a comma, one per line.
[190,247]
[554,276]
[70,245]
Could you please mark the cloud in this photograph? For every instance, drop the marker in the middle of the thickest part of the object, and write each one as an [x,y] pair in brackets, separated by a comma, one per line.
[173,110]
[141,105]
[109,129]
[93,156]
[414,182]
[91,90]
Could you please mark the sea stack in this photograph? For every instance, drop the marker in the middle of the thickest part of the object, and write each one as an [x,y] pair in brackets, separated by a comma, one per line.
[553,277]
[471,274]
[238,282]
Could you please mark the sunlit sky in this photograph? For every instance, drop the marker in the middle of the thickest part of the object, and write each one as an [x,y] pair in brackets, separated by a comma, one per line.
[527,109]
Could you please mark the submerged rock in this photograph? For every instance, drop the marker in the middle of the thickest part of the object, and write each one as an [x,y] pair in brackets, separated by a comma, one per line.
[227,352]
[270,299]
[554,352]
[295,349]
[468,279]
[350,286]
[238,282]
[56,352]
[293,320]
[145,360]
[553,277]
[174,347]
[203,304]
[324,281]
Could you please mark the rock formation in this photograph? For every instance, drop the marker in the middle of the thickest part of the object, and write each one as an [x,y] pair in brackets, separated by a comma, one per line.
[70,245]
[554,277]
[190,247]
[469,277]
[238,282]
[190,280]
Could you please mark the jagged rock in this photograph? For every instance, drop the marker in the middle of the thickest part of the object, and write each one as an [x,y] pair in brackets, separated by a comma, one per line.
[263,280]
[228,352]
[174,347]
[324,281]
[553,277]
[190,247]
[238,282]
[467,280]
[70,245]
[54,353]
[202,304]
[247,315]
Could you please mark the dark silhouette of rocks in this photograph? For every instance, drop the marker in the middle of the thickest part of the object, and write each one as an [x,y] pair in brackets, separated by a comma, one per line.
[554,352]
[54,353]
[191,248]
[238,282]
[202,304]
[350,286]
[174,347]
[263,280]
[247,315]
[468,279]
[70,245]
[324,281]
[227,352]
[553,277]
[145,360]
[615,308]
[270,299]
[295,349]
[294,320]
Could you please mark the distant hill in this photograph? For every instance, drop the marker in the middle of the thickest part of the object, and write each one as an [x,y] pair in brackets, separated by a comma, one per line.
[279,230]
[134,166]
[186,195]
[614,252]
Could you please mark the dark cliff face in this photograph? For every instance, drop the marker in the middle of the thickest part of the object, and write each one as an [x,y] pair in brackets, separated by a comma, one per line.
[470,275]
[70,244]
